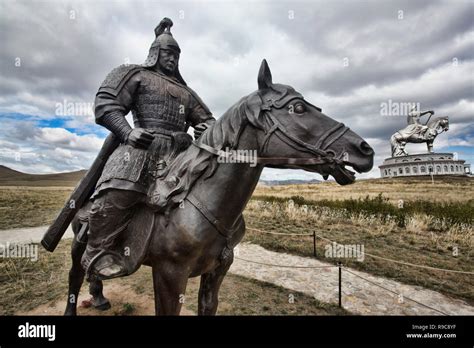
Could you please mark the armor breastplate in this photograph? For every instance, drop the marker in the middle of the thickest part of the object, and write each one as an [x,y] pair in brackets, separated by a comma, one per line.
[160,103]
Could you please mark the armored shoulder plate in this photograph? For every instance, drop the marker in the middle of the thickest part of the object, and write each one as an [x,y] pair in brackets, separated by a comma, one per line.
[117,78]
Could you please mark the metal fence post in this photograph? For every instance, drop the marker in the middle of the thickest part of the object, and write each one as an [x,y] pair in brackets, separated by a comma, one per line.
[340,282]
[314,243]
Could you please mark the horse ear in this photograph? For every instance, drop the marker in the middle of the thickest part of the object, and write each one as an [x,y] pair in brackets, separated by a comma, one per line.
[264,76]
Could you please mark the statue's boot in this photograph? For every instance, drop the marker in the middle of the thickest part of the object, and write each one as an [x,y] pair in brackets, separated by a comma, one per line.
[109,217]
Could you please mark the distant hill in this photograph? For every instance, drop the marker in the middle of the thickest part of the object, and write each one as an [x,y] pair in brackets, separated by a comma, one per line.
[287,182]
[10,177]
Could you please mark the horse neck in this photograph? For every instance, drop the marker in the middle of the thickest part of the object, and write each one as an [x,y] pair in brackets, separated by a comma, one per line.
[434,124]
[228,191]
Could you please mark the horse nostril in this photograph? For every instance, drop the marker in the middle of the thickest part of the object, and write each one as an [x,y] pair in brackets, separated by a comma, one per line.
[366,149]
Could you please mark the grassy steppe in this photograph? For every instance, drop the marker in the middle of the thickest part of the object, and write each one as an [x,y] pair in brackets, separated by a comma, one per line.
[444,189]
[25,285]
[433,228]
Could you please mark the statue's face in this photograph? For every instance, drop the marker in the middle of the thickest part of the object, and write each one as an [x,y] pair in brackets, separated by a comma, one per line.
[168,60]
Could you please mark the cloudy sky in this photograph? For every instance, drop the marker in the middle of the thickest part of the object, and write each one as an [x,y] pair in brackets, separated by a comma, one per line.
[351,58]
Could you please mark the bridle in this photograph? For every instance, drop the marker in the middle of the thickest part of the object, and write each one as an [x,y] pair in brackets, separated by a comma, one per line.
[322,156]
[319,149]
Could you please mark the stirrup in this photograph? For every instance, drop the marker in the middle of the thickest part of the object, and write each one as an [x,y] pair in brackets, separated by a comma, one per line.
[110,269]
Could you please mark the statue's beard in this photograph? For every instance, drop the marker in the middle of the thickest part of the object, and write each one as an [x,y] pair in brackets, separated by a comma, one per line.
[167,70]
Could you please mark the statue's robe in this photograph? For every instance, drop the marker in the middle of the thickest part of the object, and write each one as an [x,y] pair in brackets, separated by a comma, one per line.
[414,127]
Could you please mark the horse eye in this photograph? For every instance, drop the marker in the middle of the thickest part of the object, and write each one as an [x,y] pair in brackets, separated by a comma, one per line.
[300,108]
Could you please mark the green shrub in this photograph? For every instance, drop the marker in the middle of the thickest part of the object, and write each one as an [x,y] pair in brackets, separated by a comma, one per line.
[449,212]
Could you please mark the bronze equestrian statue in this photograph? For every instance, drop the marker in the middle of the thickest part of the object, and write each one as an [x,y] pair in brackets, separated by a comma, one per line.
[416,132]
[189,219]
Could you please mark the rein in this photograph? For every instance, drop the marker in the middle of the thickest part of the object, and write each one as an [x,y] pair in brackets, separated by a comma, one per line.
[266,160]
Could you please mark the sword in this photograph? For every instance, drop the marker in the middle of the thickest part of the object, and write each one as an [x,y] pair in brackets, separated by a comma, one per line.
[79,196]
[428,120]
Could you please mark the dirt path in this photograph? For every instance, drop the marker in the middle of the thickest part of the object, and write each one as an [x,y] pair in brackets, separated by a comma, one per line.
[124,300]
[358,295]
[27,235]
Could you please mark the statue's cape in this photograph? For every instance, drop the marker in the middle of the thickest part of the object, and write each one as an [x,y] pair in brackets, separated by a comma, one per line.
[410,130]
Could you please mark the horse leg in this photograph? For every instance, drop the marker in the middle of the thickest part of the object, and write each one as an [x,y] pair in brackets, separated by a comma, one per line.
[429,144]
[397,145]
[76,274]
[210,285]
[169,283]
[98,300]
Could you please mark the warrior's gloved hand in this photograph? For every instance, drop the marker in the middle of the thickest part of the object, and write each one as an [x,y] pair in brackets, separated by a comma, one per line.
[140,138]
[199,129]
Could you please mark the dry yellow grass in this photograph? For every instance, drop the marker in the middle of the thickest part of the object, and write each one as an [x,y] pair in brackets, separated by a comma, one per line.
[417,243]
[443,190]
[30,206]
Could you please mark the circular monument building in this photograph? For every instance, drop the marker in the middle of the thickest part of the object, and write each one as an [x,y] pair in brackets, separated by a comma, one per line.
[430,163]
[424,164]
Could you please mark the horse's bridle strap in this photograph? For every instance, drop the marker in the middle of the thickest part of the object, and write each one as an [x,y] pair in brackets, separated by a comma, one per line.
[292,160]
[264,160]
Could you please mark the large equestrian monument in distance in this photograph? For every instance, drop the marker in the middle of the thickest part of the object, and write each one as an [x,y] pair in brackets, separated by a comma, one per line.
[430,163]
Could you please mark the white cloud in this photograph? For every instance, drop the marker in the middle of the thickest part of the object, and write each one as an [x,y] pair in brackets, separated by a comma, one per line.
[222,47]
[66,139]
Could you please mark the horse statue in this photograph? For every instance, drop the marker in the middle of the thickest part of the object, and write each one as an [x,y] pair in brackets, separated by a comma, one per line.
[417,133]
[202,222]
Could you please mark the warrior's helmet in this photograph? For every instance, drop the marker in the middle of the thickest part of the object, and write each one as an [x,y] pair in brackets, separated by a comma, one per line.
[164,40]
[414,110]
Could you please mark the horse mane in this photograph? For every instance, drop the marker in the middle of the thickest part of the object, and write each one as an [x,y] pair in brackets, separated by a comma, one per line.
[181,174]
[432,123]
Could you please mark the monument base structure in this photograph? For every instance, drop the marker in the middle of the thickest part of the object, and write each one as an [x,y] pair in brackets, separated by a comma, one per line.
[424,164]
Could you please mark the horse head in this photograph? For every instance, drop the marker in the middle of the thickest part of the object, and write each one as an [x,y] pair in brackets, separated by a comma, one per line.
[443,123]
[294,129]
[437,126]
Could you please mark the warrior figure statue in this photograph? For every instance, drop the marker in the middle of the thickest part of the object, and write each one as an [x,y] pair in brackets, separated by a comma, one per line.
[163,108]
[413,120]
[416,132]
